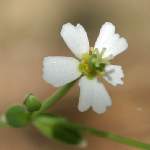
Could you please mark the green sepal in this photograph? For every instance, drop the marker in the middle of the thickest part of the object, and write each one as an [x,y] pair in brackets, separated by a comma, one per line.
[17,116]
[59,129]
[32,103]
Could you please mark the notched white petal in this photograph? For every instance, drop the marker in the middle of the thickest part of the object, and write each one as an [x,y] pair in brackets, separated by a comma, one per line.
[114,75]
[111,41]
[60,70]
[93,94]
[76,38]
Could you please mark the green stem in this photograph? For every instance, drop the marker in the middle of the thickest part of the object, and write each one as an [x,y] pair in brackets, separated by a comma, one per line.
[112,136]
[117,138]
[50,101]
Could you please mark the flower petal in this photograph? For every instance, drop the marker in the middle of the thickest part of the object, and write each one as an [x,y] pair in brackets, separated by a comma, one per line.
[94,94]
[75,38]
[114,74]
[60,70]
[111,41]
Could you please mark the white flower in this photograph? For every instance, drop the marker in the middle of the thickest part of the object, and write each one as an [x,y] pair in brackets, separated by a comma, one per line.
[91,63]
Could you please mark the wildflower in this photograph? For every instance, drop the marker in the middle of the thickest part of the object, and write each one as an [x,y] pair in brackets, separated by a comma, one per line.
[90,65]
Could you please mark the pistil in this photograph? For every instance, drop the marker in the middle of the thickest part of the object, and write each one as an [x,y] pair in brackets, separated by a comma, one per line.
[93,63]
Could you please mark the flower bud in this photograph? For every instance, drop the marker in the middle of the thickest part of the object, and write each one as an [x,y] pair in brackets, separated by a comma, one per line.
[17,116]
[32,103]
[58,129]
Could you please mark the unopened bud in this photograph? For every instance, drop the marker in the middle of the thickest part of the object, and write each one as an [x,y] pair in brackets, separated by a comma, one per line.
[17,116]
[58,129]
[32,103]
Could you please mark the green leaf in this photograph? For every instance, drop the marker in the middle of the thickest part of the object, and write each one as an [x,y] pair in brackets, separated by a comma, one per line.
[32,103]
[59,129]
[17,116]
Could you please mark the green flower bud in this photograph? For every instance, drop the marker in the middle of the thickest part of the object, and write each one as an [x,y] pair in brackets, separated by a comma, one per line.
[32,103]
[58,129]
[17,116]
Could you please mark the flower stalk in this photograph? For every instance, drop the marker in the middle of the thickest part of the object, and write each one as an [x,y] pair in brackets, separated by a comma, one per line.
[111,136]
[118,138]
[50,101]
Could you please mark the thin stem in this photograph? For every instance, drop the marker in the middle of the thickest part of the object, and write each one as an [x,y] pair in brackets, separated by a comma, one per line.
[50,101]
[114,137]
[118,138]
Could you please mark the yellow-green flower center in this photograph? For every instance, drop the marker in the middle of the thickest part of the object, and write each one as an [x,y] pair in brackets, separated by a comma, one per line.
[93,63]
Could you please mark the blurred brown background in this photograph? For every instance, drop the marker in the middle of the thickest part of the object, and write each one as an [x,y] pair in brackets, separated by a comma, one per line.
[29,30]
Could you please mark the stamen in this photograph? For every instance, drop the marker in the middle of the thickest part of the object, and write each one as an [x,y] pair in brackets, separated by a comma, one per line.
[102,52]
[91,50]
[93,63]
[98,55]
